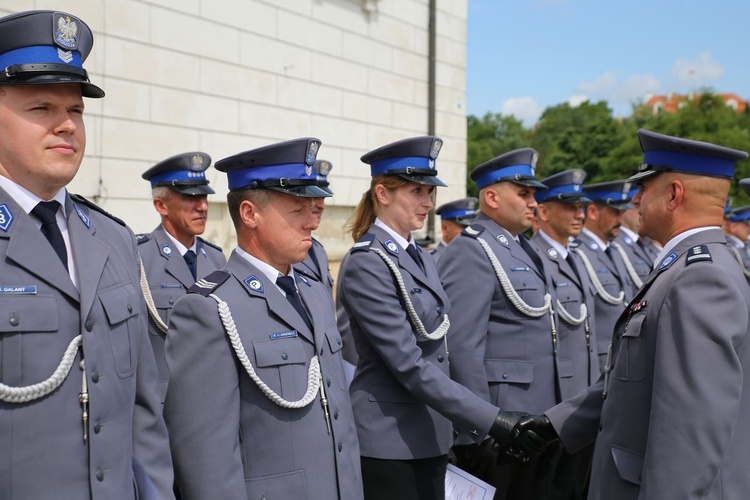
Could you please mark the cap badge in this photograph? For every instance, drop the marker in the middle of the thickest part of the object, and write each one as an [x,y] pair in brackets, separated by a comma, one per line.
[196,163]
[312,153]
[576,187]
[534,159]
[6,218]
[65,31]
[253,283]
[577,176]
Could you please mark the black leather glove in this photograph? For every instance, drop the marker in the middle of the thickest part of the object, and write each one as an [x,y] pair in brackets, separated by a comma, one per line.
[478,459]
[505,422]
[533,434]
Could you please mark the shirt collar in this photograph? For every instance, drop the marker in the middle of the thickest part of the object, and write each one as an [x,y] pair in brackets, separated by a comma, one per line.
[268,270]
[180,247]
[393,234]
[629,232]
[557,246]
[25,198]
[596,239]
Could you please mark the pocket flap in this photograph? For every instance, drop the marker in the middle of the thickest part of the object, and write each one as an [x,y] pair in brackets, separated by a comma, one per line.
[629,464]
[510,371]
[334,340]
[633,328]
[165,299]
[279,352]
[120,303]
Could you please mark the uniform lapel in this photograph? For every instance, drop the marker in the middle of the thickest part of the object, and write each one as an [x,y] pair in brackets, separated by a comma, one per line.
[89,254]
[258,285]
[31,250]
[175,264]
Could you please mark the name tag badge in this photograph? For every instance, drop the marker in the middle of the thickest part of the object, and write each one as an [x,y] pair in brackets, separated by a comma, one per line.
[171,285]
[18,290]
[282,335]
[519,268]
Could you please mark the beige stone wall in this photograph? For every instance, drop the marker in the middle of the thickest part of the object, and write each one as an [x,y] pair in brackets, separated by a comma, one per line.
[222,76]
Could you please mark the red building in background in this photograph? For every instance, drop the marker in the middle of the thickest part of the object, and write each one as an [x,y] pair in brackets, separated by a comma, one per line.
[671,102]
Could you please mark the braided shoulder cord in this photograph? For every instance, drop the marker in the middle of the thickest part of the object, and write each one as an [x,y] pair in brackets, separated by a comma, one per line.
[146,289]
[569,318]
[32,392]
[510,292]
[314,376]
[628,265]
[598,284]
[416,323]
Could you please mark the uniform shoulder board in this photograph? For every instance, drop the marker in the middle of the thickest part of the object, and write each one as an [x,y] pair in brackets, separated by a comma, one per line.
[207,285]
[83,201]
[142,238]
[214,245]
[574,244]
[698,253]
[473,231]
[363,244]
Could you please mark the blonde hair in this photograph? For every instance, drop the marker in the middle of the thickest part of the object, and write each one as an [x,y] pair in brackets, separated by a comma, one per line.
[367,210]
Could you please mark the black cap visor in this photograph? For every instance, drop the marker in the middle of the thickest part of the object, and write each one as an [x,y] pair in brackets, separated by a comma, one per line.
[306,191]
[45,74]
[425,180]
[192,189]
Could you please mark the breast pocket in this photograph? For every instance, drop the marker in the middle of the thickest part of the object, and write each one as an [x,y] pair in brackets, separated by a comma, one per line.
[121,308]
[164,300]
[527,285]
[282,365]
[631,361]
[28,314]
[333,341]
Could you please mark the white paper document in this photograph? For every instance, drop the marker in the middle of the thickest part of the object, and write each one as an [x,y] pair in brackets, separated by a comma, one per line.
[460,485]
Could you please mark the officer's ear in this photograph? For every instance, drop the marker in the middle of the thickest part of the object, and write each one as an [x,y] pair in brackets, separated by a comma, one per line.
[161,207]
[249,214]
[382,194]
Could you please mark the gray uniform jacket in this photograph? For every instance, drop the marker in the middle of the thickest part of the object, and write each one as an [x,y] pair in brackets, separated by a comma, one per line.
[229,440]
[169,279]
[316,266]
[609,275]
[342,322]
[738,245]
[403,398]
[676,420]
[577,359]
[639,258]
[501,354]
[44,454]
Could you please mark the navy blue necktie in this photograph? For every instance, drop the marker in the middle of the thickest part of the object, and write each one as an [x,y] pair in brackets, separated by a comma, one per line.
[412,250]
[286,283]
[190,260]
[46,212]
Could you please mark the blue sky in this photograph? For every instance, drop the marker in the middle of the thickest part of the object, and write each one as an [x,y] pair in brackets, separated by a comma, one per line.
[527,55]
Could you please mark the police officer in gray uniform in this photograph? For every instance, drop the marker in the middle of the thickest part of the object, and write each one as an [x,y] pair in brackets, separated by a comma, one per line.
[256,404]
[503,335]
[174,255]
[560,215]
[316,263]
[662,430]
[404,400]
[737,233]
[79,405]
[633,249]
[601,260]
[455,216]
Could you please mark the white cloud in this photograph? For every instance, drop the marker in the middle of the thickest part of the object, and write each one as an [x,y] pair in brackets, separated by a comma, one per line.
[526,109]
[698,71]
[609,88]
[577,100]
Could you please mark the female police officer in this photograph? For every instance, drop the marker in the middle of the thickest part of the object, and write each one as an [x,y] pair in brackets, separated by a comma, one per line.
[404,400]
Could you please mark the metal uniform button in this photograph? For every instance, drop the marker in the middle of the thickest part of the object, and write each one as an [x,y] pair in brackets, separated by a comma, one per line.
[100,474]
[338,341]
[505,376]
[171,302]
[441,358]
[14,321]
[130,308]
[328,382]
[95,377]
[89,325]
[336,415]
[284,356]
[600,427]
[341,446]
[97,427]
